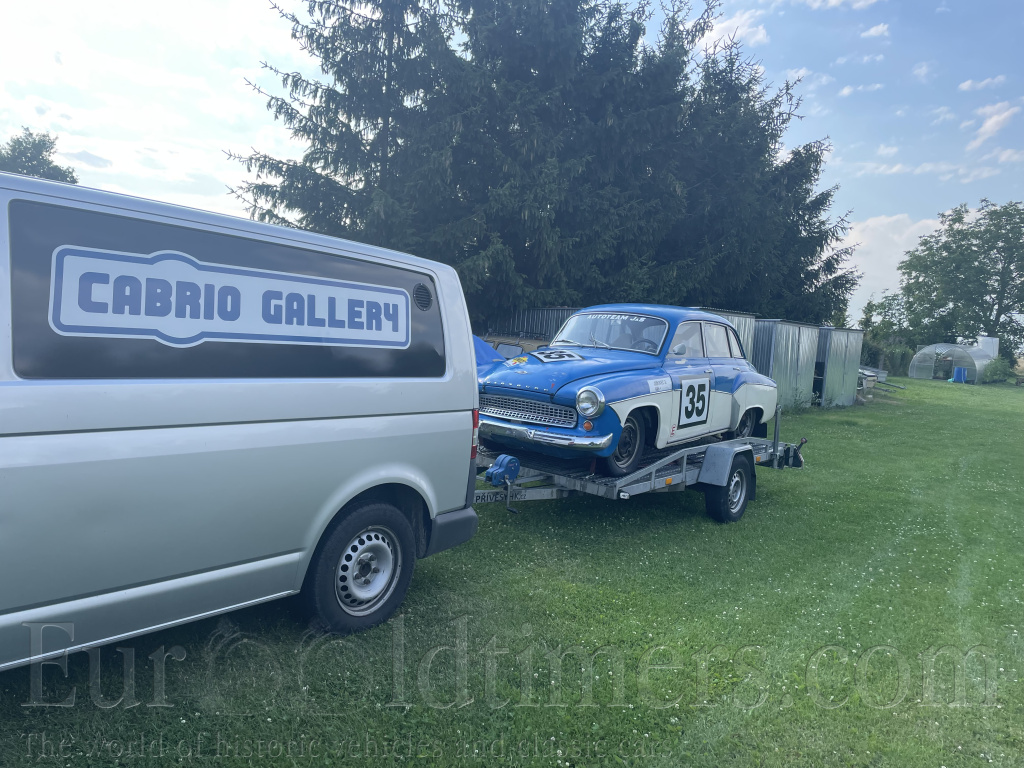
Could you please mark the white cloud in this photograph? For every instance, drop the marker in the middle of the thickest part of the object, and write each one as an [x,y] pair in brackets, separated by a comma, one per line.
[997,117]
[871,58]
[741,26]
[883,240]
[883,169]
[977,85]
[855,4]
[1005,155]
[922,71]
[850,89]
[942,115]
[944,170]
[809,80]
[976,174]
[967,124]
[879,30]
[144,118]
[886,151]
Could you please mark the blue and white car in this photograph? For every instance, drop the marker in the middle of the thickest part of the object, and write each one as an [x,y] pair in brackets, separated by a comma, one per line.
[619,378]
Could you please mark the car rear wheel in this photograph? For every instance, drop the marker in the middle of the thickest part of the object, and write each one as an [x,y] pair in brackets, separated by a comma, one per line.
[629,449]
[746,427]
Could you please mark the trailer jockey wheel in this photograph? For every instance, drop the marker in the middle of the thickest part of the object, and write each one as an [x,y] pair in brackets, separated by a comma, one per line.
[728,502]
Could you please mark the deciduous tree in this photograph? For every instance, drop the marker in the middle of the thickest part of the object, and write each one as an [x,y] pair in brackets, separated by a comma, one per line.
[967,277]
[31,154]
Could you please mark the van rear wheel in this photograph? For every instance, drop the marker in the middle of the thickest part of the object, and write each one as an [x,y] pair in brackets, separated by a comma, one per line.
[362,569]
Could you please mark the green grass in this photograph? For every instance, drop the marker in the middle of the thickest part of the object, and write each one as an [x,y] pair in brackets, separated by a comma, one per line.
[902,534]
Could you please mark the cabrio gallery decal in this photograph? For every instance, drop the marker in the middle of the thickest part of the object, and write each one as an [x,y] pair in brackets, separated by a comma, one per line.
[556,355]
[179,301]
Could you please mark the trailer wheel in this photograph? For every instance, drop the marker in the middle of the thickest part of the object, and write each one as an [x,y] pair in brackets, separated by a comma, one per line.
[728,502]
[362,569]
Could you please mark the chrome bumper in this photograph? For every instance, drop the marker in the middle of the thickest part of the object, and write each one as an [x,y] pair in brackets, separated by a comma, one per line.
[492,428]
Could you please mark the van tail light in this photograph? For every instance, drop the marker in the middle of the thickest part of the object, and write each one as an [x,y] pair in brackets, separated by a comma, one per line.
[476,434]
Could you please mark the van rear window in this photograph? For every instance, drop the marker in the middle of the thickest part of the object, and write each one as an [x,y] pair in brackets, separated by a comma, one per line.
[96,295]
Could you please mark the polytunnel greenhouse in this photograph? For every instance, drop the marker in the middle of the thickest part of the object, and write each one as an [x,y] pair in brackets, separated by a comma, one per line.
[939,361]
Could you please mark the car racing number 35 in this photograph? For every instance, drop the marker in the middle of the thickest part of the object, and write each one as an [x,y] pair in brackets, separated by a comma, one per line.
[693,408]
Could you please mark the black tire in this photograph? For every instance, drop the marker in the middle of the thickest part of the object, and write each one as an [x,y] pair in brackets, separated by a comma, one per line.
[727,503]
[629,449]
[746,427]
[343,589]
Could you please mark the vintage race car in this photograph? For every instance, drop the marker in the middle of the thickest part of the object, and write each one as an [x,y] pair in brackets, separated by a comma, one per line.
[619,378]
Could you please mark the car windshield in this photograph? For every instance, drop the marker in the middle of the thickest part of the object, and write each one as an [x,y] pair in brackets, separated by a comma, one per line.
[613,330]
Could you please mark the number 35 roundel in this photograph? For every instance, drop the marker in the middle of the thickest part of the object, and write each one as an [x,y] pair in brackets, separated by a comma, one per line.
[555,355]
[693,409]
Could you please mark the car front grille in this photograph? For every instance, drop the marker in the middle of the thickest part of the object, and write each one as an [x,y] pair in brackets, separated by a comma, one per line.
[530,411]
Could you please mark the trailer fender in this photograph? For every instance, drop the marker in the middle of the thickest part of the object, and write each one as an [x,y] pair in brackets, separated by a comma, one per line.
[718,461]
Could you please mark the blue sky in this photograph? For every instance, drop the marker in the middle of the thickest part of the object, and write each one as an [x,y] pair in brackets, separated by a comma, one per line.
[923,100]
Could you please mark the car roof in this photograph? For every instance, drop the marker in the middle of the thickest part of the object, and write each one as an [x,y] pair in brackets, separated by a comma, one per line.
[665,311]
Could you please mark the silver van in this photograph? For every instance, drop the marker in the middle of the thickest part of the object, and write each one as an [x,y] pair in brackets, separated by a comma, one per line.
[200,413]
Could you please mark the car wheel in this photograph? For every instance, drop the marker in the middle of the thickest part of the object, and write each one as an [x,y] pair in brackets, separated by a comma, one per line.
[727,503]
[629,449]
[746,427]
[362,569]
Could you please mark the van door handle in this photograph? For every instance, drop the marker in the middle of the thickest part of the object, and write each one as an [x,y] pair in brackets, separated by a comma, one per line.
[707,370]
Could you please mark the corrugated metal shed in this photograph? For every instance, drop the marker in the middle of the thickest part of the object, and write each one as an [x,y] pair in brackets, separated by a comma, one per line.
[837,365]
[541,323]
[786,352]
[743,322]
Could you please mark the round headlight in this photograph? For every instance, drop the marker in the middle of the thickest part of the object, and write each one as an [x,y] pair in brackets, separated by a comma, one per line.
[590,402]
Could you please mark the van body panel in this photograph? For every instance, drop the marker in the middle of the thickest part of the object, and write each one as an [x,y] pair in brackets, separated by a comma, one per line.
[138,492]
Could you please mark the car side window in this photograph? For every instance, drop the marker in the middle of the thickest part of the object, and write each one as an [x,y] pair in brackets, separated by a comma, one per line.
[717,340]
[687,341]
[734,344]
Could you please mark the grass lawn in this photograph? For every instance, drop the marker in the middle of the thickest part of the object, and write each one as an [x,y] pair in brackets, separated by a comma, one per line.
[833,625]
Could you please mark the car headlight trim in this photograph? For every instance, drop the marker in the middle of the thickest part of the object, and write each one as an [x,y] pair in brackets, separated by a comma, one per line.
[590,402]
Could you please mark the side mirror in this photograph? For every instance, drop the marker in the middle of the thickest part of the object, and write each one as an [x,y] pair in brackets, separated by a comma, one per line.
[678,349]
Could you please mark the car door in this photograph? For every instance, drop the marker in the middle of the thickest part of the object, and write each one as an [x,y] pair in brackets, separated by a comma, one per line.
[692,382]
[721,361]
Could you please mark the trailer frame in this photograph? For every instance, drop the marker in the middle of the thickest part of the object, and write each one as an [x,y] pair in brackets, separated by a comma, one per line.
[705,465]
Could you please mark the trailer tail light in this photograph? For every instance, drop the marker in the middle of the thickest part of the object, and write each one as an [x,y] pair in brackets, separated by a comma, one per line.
[476,434]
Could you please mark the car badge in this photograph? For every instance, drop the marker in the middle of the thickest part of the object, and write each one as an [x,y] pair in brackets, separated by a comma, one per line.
[522,373]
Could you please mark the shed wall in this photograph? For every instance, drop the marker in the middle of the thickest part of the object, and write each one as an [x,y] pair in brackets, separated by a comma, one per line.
[839,354]
[796,347]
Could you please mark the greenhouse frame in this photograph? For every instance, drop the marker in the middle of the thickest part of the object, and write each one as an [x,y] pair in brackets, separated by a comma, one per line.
[938,361]
[787,352]
[837,366]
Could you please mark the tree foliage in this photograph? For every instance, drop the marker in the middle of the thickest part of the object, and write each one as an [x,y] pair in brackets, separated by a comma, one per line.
[889,342]
[552,156]
[967,277]
[31,154]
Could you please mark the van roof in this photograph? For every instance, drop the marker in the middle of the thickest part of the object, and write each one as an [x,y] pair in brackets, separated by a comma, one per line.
[118,202]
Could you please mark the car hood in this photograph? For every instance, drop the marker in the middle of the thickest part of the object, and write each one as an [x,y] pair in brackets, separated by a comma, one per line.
[532,374]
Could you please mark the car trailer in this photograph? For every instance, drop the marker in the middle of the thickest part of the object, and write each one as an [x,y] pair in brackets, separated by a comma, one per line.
[723,470]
